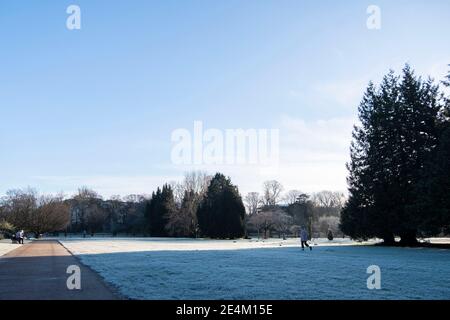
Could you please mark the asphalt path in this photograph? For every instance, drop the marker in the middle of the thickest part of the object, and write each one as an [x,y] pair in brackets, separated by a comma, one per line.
[38,271]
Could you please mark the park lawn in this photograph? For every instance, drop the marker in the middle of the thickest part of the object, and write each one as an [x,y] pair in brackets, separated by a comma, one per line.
[273,269]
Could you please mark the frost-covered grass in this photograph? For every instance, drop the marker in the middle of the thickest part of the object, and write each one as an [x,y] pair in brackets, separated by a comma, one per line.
[212,269]
[6,246]
[110,245]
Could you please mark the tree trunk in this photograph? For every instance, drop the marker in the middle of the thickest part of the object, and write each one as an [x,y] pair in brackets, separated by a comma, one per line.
[389,240]
[408,238]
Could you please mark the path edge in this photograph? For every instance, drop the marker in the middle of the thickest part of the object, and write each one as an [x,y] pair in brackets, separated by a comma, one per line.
[111,287]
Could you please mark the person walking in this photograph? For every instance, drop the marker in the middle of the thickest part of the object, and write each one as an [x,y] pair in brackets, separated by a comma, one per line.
[304,239]
[20,236]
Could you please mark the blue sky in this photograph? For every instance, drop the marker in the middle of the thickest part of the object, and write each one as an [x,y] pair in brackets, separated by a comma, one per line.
[97,106]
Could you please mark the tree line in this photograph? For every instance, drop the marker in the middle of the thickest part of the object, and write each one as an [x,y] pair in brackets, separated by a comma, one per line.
[399,173]
[200,205]
[211,206]
[85,212]
[285,213]
[27,210]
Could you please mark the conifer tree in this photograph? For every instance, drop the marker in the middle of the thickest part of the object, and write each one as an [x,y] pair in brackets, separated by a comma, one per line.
[389,155]
[221,213]
[159,208]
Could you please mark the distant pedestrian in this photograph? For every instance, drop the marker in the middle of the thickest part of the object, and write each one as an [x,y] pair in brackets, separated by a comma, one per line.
[330,235]
[20,236]
[84,233]
[304,239]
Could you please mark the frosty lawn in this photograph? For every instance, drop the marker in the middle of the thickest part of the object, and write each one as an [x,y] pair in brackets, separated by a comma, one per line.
[6,246]
[206,269]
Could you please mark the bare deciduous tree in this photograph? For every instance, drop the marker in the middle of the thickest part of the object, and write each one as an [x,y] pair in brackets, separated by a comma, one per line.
[331,201]
[19,205]
[115,197]
[261,222]
[252,202]
[84,193]
[52,214]
[196,181]
[96,217]
[182,221]
[327,223]
[25,209]
[271,218]
[89,215]
[281,222]
[292,196]
[135,198]
[178,192]
[272,192]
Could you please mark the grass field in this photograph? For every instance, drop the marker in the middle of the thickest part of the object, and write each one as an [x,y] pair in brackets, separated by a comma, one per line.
[273,269]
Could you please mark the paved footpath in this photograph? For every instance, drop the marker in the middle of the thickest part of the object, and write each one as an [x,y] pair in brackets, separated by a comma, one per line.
[37,271]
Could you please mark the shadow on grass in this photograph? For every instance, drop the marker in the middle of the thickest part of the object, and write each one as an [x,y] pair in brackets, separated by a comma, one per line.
[415,245]
[276,273]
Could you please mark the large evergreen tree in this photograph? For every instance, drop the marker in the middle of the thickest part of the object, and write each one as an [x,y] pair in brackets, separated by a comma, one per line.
[435,187]
[158,210]
[434,191]
[221,213]
[389,155]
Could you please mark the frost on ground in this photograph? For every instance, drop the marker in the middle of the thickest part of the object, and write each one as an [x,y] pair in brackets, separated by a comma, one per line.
[6,246]
[110,245]
[274,269]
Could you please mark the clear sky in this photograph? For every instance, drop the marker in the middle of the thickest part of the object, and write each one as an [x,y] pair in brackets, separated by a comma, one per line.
[97,106]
